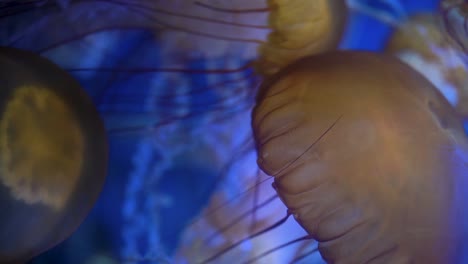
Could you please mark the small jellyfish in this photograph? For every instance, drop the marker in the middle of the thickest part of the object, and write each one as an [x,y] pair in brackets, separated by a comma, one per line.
[53,155]
[368,156]
[455,14]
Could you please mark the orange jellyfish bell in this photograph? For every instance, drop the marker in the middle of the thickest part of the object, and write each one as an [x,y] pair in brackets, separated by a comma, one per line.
[300,28]
[368,156]
[53,155]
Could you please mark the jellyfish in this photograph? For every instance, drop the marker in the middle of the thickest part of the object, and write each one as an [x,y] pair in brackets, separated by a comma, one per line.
[455,14]
[243,41]
[422,43]
[53,155]
[368,156]
[300,28]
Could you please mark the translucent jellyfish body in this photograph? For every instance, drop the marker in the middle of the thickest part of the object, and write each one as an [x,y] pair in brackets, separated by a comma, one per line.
[369,158]
[53,155]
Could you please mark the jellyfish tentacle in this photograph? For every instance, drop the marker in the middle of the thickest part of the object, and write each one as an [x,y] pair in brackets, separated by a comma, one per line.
[146,11]
[226,10]
[143,70]
[151,9]
[240,218]
[288,243]
[139,14]
[303,256]
[259,233]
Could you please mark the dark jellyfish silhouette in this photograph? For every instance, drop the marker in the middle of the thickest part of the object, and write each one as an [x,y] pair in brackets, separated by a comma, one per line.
[368,156]
[53,155]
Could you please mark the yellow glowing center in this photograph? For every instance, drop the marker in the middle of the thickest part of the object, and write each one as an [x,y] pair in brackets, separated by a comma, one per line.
[41,147]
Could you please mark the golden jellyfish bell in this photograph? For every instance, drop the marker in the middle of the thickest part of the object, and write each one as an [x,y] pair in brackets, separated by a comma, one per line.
[368,156]
[53,155]
[298,29]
